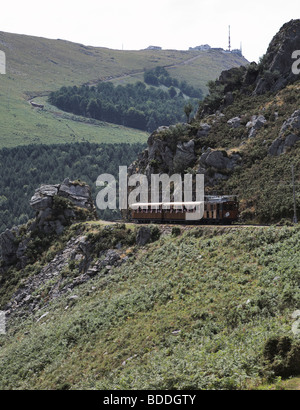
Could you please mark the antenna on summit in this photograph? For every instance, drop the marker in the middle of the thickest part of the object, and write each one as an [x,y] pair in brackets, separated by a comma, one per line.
[229,41]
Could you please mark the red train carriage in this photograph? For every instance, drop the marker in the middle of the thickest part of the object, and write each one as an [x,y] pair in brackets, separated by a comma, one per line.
[217,209]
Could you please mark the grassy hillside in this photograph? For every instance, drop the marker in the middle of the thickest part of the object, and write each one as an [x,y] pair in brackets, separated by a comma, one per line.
[36,66]
[208,309]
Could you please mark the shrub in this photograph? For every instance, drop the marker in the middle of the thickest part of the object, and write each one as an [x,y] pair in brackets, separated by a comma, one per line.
[282,355]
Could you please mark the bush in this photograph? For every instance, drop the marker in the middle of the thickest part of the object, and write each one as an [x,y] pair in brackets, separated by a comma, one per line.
[282,355]
[176,231]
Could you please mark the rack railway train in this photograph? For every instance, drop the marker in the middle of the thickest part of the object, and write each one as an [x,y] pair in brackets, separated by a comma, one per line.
[217,210]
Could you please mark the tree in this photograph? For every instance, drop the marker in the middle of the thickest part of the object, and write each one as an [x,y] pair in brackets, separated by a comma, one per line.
[172,92]
[188,108]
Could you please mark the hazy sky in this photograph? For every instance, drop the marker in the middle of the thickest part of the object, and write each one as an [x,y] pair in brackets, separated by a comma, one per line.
[136,24]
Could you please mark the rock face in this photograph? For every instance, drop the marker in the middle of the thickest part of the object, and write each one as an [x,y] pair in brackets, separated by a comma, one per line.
[278,61]
[143,236]
[257,122]
[288,136]
[56,206]
[59,205]
[219,160]
[77,252]
[166,153]
[184,156]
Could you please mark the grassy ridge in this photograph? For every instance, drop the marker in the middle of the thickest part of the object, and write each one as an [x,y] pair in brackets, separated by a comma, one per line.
[193,312]
[36,66]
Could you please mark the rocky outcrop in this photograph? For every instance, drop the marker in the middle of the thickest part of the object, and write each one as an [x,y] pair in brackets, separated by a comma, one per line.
[57,278]
[256,123]
[288,136]
[273,73]
[234,122]
[143,236]
[219,160]
[59,205]
[203,130]
[277,62]
[166,152]
[56,206]
[184,156]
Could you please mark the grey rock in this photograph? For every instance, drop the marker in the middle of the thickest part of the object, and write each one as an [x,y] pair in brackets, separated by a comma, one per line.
[277,60]
[288,136]
[9,246]
[185,156]
[234,122]
[216,159]
[143,236]
[203,130]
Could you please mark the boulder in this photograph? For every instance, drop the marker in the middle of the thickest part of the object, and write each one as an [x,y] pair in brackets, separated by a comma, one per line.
[143,236]
[9,246]
[78,194]
[203,130]
[43,197]
[219,160]
[257,122]
[288,136]
[184,156]
[234,122]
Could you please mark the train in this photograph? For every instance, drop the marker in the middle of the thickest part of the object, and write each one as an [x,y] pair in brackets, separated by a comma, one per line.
[217,210]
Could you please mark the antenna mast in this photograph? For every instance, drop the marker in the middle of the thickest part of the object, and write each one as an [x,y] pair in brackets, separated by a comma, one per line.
[229,43]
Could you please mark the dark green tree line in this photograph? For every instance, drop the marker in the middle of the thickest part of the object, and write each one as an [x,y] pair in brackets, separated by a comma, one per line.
[132,105]
[25,168]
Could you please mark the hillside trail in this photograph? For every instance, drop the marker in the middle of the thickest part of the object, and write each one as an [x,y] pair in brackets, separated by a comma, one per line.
[137,72]
[32,97]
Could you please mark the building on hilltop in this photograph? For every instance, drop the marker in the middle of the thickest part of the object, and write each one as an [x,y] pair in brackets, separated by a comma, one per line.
[203,47]
[153,48]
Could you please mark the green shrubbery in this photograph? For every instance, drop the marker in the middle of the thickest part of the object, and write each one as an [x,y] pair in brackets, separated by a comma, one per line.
[209,309]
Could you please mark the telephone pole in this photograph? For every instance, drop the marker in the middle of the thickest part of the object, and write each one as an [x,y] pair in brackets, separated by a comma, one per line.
[294,197]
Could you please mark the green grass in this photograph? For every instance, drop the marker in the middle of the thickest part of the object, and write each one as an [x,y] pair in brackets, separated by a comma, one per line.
[21,124]
[191,312]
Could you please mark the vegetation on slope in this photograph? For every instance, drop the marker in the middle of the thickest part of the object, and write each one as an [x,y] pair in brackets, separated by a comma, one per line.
[36,66]
[208,309]
[25,168]
[263,182]
[133,105]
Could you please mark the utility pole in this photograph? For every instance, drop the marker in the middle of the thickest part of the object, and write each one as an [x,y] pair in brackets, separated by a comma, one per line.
[294,197]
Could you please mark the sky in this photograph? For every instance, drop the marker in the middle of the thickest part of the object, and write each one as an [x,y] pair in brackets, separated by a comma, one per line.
[136,24]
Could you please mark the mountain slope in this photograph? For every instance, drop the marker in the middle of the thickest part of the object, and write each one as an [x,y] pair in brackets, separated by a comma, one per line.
[36,66]
[245,136]
[205,309]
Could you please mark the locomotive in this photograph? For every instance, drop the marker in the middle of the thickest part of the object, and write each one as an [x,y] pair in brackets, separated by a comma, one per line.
[217,210]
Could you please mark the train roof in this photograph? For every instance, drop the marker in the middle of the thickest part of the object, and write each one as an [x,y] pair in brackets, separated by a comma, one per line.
[208,198]
[164,204]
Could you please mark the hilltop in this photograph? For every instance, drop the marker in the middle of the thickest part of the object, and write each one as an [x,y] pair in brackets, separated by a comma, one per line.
[36,66]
